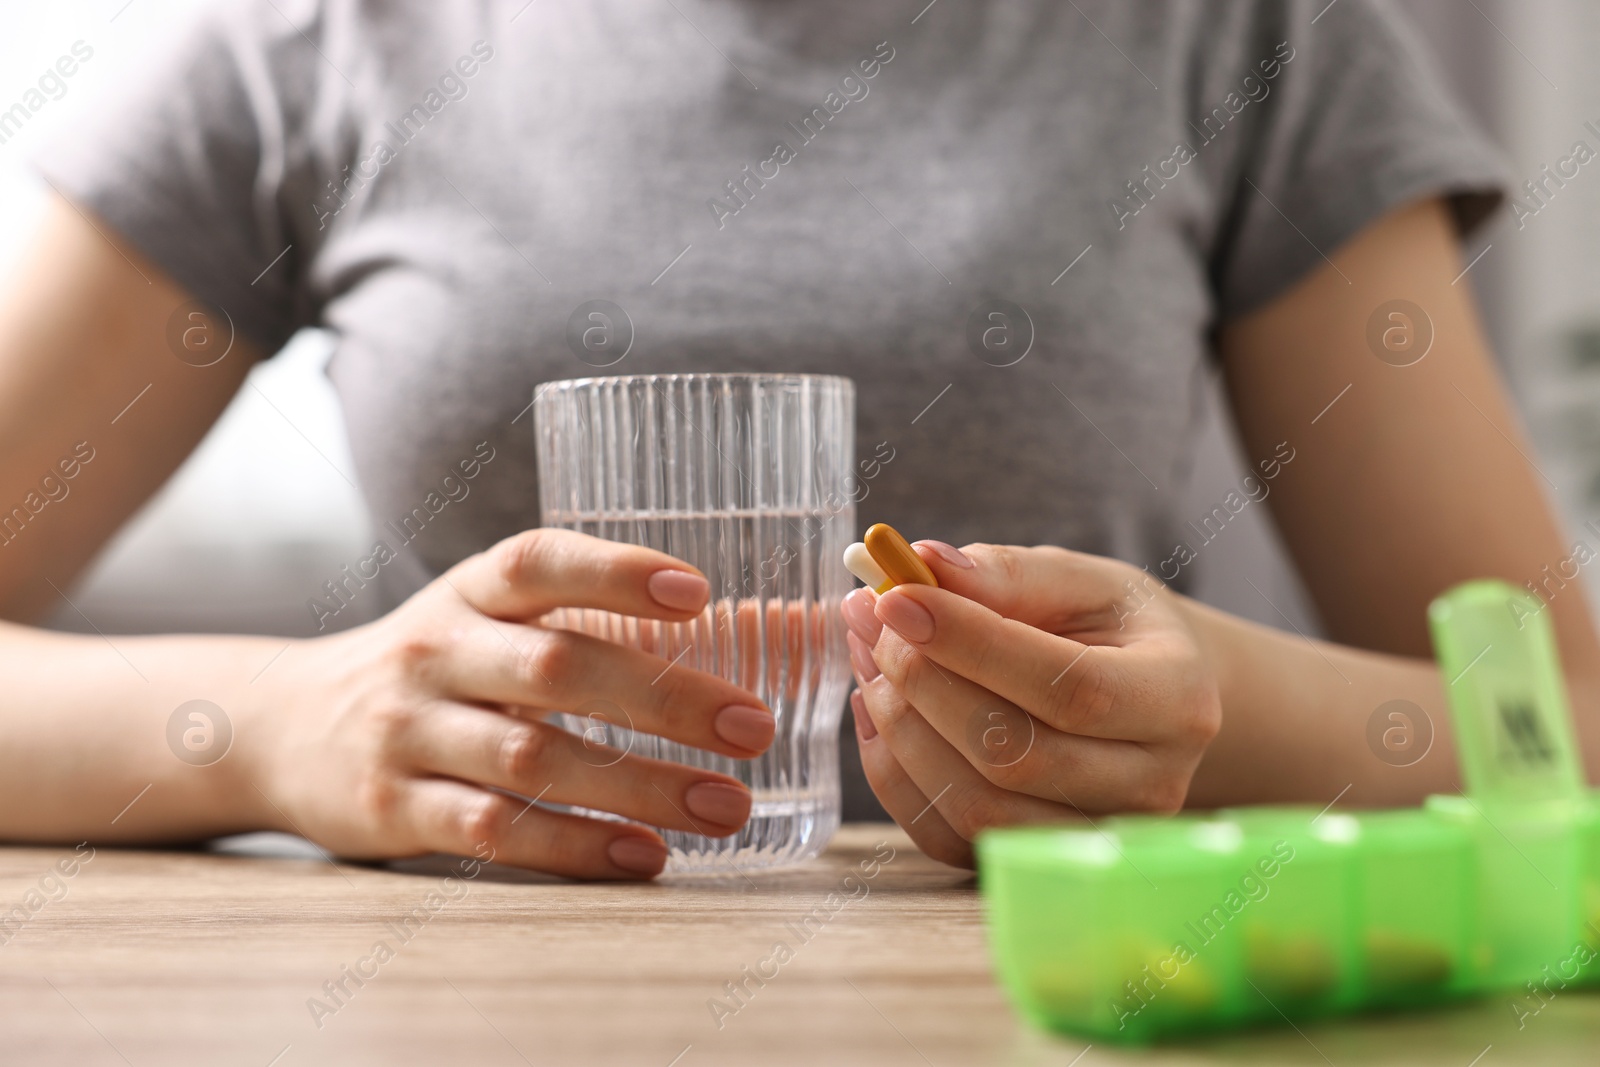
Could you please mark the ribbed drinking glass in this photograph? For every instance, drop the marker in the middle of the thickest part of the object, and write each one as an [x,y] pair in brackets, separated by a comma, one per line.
[748,477]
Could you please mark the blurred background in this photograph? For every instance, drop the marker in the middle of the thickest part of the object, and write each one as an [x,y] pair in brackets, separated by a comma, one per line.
[247,529]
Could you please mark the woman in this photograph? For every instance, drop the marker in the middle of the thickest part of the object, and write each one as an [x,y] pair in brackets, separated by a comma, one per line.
[824,187]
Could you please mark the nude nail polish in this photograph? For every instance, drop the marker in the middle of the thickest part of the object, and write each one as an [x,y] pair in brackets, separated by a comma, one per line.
[678,590]
[856,608]
[640,855]
[746,726]
[718,802]
[949,553]
[866,729]
[861,659]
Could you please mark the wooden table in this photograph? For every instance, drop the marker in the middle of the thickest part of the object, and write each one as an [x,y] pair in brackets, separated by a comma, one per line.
[198,957]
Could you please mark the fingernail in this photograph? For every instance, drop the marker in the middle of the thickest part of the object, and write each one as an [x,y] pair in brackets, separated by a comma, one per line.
[861,659]
[679,590]
[905,617]
[948,553]
[857,611]
[719,802]
[745,726]
[641,855]
[865,730]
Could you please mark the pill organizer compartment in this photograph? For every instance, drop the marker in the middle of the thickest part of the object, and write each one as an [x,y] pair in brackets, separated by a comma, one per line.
[1416,902]
[1527,872]
[1095,930]
[1199,955]
[1298,925]
[1589,890]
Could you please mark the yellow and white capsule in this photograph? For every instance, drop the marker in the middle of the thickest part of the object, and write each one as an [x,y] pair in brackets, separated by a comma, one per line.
[884,560]
[859,562]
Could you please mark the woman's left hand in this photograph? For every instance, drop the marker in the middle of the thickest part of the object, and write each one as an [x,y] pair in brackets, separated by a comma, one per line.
[1034,684]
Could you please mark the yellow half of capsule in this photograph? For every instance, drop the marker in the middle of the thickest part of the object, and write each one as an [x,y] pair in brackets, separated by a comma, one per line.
[894,554]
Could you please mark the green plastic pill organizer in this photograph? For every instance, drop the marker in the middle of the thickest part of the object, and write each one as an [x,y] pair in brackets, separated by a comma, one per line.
[1145,927]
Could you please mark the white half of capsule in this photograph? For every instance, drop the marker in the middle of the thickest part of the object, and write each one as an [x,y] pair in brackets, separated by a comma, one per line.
[859,562]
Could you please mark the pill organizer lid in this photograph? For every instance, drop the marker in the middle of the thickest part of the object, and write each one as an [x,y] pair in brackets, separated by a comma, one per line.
[1497,657]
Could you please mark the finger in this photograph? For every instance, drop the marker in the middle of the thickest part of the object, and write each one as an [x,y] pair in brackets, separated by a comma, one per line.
[1052,588]
[1012,749]
[464,820]
[535,571]
[543,761]
[968,802]
[900,796]
[1093,690]
[510,663]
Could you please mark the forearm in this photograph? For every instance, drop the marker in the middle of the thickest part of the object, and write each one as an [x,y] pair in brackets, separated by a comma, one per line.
[1297,721]
[84,749]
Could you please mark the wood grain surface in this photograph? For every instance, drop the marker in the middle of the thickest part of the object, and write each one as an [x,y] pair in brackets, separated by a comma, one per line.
[225,957]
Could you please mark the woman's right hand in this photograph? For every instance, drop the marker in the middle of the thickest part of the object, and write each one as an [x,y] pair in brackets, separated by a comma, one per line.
[409,735]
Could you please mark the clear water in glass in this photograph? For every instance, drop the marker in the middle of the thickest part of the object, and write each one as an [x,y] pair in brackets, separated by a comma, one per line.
[750,479]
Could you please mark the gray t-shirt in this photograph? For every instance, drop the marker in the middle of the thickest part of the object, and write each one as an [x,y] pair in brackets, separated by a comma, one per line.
[850,187]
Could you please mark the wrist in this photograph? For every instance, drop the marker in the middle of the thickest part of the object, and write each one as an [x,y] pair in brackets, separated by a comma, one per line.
[1217,638]
[247,786]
